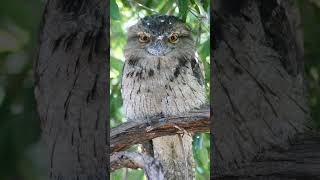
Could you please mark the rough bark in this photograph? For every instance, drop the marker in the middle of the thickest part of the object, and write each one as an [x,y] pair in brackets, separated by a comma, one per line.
[301,161]
[259,105]
[137,132]
[71,85]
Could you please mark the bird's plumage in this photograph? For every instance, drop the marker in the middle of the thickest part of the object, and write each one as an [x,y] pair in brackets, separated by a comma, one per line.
[162,76]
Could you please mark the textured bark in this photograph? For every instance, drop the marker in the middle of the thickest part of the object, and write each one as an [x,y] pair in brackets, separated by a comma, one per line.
[71,82]
[151,167]
[259,105]
[301,161]
[137,132]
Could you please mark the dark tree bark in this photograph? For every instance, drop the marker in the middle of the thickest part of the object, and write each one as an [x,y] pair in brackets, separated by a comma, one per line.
[71,88]
[259,107]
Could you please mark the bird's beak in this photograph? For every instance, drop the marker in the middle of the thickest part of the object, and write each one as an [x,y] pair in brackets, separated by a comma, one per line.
[157,48]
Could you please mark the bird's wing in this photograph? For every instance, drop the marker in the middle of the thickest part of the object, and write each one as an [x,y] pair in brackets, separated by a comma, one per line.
[198,69]
[123,67]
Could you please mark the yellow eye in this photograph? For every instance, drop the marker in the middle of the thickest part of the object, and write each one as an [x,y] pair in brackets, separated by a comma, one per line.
[173,38]
[143,38]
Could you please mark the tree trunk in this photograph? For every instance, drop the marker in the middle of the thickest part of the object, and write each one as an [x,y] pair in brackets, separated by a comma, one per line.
[71,88]
[259,105]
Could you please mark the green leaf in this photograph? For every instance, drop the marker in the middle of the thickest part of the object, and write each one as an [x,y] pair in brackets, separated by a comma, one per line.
[166,6]
[201,7]
[116,64]
[183,9]
[195,6]
[205,4]
[126,4]
[205,50]
[114,10]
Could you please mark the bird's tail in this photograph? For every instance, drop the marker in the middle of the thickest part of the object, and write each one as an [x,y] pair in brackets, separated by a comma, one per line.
[175,155]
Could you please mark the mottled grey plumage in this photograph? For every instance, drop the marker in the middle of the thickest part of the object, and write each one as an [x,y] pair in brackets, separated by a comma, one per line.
[162,76]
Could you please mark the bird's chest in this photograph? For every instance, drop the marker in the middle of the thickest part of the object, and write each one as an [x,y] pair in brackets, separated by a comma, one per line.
[153,90]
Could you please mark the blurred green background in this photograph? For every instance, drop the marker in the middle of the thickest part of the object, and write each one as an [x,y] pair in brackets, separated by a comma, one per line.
[310,16]
[20,158]
[125,13]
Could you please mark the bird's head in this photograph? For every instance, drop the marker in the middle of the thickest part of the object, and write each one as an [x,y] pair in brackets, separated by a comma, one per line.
[159,35]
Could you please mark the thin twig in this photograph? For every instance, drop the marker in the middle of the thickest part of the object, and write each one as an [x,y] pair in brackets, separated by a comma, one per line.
[144,7]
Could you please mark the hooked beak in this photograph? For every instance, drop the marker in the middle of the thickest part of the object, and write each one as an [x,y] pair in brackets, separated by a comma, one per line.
[157,48]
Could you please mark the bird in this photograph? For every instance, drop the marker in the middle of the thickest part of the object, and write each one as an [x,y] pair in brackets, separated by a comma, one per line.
[162,76]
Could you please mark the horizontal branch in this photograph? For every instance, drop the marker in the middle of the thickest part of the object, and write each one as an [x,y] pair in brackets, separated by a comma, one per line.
[136,132]
[133,160]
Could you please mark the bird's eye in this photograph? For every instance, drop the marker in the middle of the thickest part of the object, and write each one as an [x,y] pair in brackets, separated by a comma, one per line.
[173,38]
[143,38]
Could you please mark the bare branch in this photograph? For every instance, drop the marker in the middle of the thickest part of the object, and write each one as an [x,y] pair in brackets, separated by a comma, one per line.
[136,132]
[152,168]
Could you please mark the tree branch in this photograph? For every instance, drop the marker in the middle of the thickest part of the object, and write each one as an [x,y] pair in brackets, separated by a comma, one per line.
[136,132]
[152,168]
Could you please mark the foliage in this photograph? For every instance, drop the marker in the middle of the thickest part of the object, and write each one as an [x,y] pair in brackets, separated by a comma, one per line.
[310,17]
[19,126]
[126,13]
